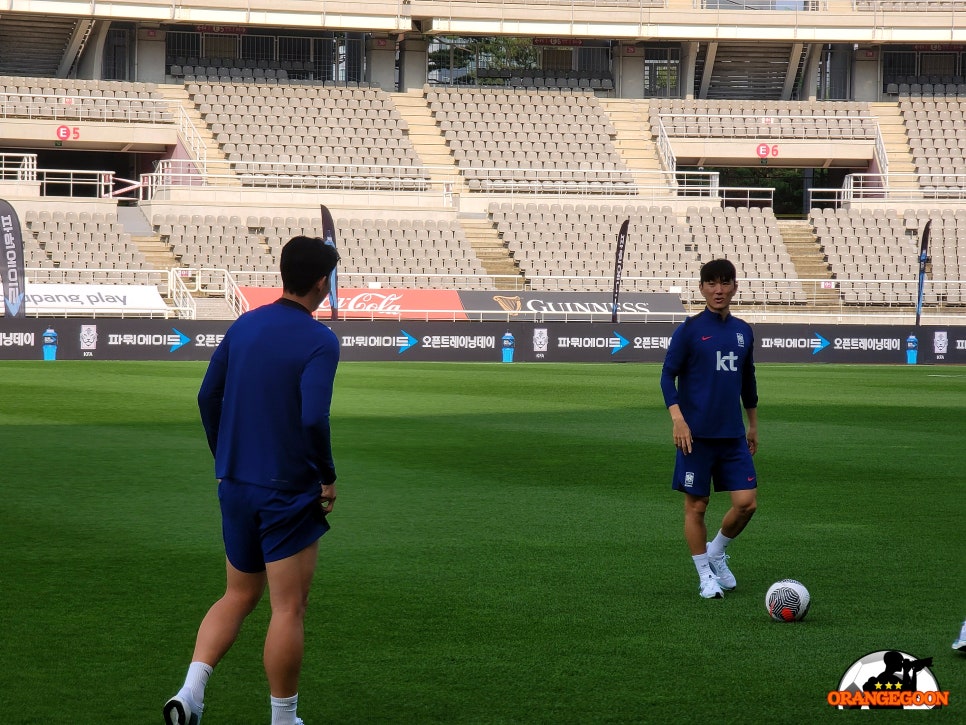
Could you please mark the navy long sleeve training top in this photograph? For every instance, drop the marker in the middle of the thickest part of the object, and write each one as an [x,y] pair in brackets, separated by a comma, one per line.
[711,360]
[265,399]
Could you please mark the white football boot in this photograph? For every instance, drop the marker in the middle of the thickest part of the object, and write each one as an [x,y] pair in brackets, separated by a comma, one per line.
[960,643]
[710,588]
[719,565]
[181,710]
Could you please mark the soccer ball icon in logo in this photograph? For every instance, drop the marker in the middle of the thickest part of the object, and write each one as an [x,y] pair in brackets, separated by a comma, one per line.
[901,680]
[787,601]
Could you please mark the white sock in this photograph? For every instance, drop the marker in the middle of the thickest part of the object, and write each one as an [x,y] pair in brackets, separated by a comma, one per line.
[702,565]
[283,710]
[719,544]
[196,681]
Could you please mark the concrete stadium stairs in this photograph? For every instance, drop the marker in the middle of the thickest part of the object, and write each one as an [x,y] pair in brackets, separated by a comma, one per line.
[808,258]
[145,238]
[631,118]
[427,141]
[217,162]
[491,251]
[896,141]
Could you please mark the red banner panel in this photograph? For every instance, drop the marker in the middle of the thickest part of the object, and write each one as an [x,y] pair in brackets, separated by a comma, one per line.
[377,304]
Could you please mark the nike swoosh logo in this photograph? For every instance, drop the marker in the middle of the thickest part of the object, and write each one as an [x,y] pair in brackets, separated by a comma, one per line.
[750,479]
[705,337]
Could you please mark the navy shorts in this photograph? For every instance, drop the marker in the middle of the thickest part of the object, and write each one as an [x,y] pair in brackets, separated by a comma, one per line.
[725,462]
[262,524]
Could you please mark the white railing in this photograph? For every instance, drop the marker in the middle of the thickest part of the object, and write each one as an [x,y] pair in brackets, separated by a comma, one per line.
[181,295]
[192,139]
[440,182]
[934,189]
[18,167]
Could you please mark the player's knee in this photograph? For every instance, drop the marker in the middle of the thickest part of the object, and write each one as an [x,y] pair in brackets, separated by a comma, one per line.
[243,599]
[746,509]
[694,506]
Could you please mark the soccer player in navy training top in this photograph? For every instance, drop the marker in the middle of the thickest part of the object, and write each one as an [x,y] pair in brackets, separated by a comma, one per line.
[708,376]
[264,405]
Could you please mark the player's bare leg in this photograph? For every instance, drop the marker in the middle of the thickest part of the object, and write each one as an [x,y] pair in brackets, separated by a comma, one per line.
[743,506]
[695,529]
[695,533]
[217,633]
[289,581]
[224,619]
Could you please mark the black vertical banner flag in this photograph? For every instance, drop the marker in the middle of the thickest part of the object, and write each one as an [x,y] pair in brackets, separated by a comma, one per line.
[619,266]
[328,234]
[923,258]
[13,262]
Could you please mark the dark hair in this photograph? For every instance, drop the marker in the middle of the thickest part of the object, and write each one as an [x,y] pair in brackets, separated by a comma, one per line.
[718,270]
[304,261]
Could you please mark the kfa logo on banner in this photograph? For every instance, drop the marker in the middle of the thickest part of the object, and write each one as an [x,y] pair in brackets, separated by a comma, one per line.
[13,263]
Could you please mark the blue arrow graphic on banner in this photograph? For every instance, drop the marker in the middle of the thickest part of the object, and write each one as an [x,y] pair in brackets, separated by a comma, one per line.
[13,304]
[182,340]
[621,343]
[410,341]
[822,344]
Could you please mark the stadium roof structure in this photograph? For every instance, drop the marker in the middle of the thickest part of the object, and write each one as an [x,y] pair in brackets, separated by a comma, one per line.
[860,21]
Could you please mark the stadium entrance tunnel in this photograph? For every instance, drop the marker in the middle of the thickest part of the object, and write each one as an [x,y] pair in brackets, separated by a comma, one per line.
[123,164]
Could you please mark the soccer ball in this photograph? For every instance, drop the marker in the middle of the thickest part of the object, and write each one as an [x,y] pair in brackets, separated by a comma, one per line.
[787,601]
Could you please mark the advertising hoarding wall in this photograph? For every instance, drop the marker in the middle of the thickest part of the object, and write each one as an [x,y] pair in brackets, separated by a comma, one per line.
[514,342]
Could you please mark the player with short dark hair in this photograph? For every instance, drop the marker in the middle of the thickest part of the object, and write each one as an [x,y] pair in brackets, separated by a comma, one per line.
[708,376]
[264,405]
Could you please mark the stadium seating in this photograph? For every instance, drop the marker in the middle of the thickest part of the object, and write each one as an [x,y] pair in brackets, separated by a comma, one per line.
[559,241]
[756,119]
[307,129]
[74,99]
[503,139]
[430,252]
[75,241]
[934,124]
[553,141]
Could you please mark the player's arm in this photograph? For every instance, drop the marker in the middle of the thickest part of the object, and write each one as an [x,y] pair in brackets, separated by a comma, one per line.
[749,398]
[673,362]
[212,394]
[680,430]
[752,433]
[317,381]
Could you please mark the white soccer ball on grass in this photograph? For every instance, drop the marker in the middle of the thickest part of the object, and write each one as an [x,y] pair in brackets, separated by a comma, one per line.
[787,601]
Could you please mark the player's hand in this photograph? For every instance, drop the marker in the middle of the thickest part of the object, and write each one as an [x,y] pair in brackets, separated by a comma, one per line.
[752,438]
[682,435]
[327,498]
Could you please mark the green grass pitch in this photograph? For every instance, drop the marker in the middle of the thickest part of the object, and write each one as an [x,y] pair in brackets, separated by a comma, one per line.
[505,549]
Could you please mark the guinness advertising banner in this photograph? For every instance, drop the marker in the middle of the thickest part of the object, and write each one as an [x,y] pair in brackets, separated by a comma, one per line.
[449,304]
[54,339]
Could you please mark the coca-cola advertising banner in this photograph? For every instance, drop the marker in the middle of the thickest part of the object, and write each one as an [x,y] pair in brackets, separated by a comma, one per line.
[495,305]
[53,339]
[377,304]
